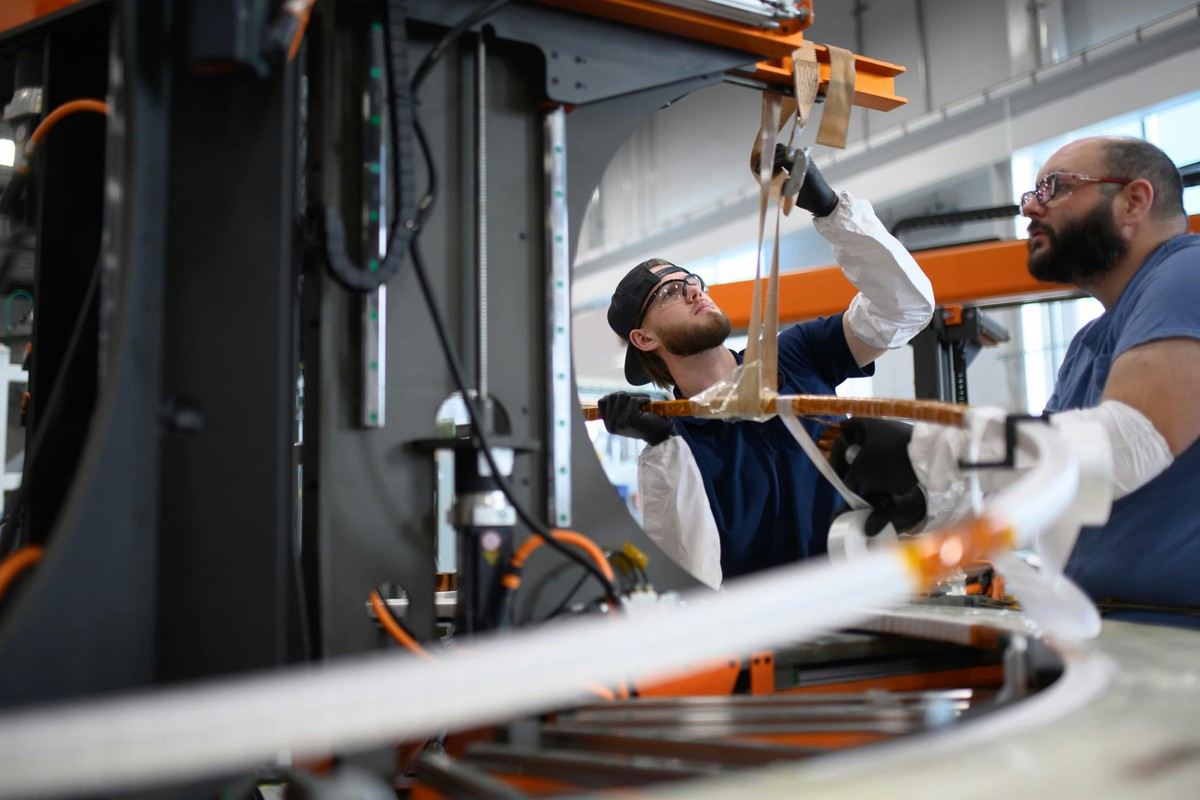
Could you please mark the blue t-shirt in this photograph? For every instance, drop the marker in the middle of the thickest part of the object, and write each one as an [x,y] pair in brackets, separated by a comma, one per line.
[1149,550]
[770,504]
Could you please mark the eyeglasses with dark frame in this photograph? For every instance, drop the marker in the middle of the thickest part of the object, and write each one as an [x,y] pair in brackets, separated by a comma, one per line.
[1048,187]
[670,292]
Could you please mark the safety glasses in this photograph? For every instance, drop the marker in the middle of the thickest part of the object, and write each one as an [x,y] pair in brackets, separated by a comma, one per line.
[670,292]
[1063,183]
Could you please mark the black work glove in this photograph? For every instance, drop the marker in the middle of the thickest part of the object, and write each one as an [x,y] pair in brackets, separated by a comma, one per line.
[623,415]
[814,193]
[871,457]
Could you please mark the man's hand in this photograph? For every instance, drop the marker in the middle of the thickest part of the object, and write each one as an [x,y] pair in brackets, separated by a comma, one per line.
[871,456]
[623,415]
[815,194]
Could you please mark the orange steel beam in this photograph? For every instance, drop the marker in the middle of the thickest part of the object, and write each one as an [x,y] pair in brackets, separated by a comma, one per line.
[875,81]
[971,273]
[15,13]
[766,42]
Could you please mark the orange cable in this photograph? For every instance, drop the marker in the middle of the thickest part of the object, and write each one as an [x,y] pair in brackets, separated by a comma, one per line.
[398,633]
[66,109]
[302,11]
[571,537]
[17,563]
[603,692]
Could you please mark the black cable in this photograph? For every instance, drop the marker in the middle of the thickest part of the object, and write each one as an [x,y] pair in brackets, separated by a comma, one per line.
[566,600]
[477,432]
[451,35]
[8,258]
[49,413]
[425,207]
[954,218]
[630,568]
[404,216]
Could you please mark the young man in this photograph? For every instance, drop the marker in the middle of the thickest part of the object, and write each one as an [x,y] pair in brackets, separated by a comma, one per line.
[1107,215]
[725,498]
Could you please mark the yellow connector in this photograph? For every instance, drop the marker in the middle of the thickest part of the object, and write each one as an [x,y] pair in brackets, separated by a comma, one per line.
[635,555]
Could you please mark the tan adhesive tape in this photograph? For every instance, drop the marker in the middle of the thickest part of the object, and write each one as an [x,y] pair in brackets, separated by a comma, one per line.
[839,99]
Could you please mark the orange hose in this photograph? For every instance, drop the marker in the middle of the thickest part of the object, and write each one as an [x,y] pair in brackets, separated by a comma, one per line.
[399,634]
[66,109]
[302,14]
[17,563]
[571,537]
[603,692]
[933,556]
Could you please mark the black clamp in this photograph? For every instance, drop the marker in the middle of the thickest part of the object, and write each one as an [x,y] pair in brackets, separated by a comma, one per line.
[1010,443]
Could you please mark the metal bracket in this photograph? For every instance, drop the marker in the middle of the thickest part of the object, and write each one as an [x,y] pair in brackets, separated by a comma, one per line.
[1010,443]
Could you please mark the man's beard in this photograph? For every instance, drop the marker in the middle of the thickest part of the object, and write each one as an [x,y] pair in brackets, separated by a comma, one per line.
[692,339]
[1081,250]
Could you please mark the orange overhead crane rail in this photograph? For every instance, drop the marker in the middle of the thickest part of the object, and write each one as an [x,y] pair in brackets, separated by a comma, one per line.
[875,81]
[972,273]
[15,13]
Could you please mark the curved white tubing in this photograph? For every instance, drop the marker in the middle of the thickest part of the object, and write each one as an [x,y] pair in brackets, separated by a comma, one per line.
[156,737]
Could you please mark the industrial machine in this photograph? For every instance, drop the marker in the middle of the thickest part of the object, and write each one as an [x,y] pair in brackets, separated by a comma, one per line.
[296,263]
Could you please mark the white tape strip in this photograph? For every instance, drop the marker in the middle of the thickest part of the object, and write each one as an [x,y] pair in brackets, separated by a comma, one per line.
[783,407]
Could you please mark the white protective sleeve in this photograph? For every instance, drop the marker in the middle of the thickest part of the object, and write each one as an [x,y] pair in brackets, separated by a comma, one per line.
[675,510]
[895,299]
[1139,454]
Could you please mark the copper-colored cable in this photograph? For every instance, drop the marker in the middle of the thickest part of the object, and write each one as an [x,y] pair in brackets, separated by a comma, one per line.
[816,404]
[17,563]
[398,633]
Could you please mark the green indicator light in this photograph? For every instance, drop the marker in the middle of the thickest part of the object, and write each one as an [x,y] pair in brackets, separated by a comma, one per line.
[558,148]
[562,470]
[561,376]
[562,518]
[374,119]
[558,193]
[561,329]
[376,73]
[375,316]
[374,216]
[373,167]
[376,26]
[373,265]
[562,423]
[558,284]
[374,417]
[374,366]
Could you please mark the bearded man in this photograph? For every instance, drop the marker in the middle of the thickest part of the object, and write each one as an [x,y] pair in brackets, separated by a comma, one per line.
[1106,215]
[726,498]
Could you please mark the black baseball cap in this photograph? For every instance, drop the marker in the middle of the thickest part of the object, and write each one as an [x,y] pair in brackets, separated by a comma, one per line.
[626,306]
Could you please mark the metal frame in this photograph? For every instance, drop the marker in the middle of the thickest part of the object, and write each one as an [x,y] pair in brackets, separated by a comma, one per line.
[178,544]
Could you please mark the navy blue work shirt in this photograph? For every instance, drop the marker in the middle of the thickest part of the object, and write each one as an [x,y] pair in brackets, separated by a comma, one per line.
[770,503]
